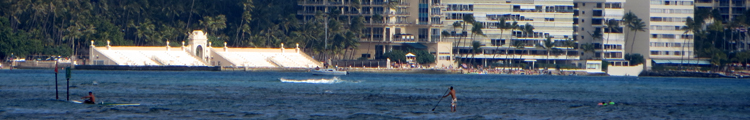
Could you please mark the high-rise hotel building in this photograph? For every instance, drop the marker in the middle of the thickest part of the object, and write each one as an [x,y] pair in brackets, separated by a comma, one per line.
[663,40]
[727,8]
[549,18]
[592,16]
[390,25]
[418,24]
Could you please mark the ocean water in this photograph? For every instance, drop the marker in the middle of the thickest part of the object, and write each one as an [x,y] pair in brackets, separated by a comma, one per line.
[30,94]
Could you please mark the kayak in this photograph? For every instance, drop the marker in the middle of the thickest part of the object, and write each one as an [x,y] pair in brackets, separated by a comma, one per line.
[109,104]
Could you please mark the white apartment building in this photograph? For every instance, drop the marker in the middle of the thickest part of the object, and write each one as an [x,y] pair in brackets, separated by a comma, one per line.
[553,18]
[591,15]
[402,25]
[664,39]
[417,24]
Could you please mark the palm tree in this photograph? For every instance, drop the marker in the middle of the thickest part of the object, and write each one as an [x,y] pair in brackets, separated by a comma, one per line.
[513,26]
[637,25]
[548,45]
[476,30]
[475,47]
[568,43]
[587,47]
[612,25]
[597,35]
[502,26]
[628,19]
[519,45]
[467,19]
[689,26]
[457,24]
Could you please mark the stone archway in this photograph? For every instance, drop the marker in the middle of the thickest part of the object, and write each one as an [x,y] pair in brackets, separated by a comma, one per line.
[199,51]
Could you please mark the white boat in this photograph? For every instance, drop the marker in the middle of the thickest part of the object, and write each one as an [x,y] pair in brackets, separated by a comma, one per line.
[312,81]
[328,72]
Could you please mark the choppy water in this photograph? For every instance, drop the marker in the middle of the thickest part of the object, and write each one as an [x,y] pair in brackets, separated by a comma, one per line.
[199,94]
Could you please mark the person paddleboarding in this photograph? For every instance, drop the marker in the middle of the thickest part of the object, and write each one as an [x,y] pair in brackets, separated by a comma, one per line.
[89,99]
[452,93]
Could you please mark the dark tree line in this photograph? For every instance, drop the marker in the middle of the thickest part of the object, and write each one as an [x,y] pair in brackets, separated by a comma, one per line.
[66,27]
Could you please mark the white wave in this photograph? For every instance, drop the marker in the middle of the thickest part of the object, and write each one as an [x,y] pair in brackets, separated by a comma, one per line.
[316,81]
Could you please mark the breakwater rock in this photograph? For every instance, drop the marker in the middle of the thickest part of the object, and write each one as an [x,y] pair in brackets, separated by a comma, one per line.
[682,74]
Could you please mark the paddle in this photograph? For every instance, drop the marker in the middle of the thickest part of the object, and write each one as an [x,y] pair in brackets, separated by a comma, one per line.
[441,99]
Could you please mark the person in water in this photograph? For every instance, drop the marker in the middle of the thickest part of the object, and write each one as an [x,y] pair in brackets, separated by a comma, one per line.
[89,99]
[453,103]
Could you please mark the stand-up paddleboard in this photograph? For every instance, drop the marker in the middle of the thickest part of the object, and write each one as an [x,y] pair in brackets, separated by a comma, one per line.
[109,104]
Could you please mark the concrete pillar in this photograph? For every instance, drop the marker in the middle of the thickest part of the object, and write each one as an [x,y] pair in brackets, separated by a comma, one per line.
[108,47]
[388,63]
[91,53]
[167,45]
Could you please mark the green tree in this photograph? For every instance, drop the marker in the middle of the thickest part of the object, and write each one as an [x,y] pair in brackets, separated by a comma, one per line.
[634,59]
[466,19]
[689,26]
[598,35]
[395,56]
[548,45]
[513,26]
[637,25]
[569,43]
[476,29]
[502,26]
[475,48]
[521,46]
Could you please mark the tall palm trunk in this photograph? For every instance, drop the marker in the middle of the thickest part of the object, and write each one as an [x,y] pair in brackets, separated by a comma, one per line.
[508,48]
[633,42]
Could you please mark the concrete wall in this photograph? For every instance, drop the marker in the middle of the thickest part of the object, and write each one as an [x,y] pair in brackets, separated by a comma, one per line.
[614,70]
[96,56]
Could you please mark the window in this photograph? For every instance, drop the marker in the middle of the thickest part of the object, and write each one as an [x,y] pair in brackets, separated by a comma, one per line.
[423,33]
[654,52]
[597,21]
[598,13]
[366,55]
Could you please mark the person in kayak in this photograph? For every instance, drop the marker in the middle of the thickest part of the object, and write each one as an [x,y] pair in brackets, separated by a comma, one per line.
[89,99]
[453,103]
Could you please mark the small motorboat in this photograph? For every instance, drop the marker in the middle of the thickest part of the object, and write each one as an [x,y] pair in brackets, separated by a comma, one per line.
[328,72]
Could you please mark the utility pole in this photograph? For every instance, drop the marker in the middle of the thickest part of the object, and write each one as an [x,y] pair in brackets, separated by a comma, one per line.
[57,97]
[67,75]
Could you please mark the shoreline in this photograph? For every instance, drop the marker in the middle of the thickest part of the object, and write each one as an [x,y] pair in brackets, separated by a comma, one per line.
[524,72]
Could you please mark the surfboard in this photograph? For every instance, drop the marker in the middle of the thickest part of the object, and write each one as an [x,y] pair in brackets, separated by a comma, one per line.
[109,104]
[121,104]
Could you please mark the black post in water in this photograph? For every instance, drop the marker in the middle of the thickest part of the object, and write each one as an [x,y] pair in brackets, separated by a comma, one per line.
[67,75]
[57,94]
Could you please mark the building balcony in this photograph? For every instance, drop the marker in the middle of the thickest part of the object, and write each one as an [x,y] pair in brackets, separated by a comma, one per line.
[335,3]
[437,14]
[305,12]
[404,40]
[390,23]
[307,3]
[402,13]
[403,4]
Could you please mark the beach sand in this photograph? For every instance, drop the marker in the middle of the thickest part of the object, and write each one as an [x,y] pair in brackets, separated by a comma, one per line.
[29,94]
